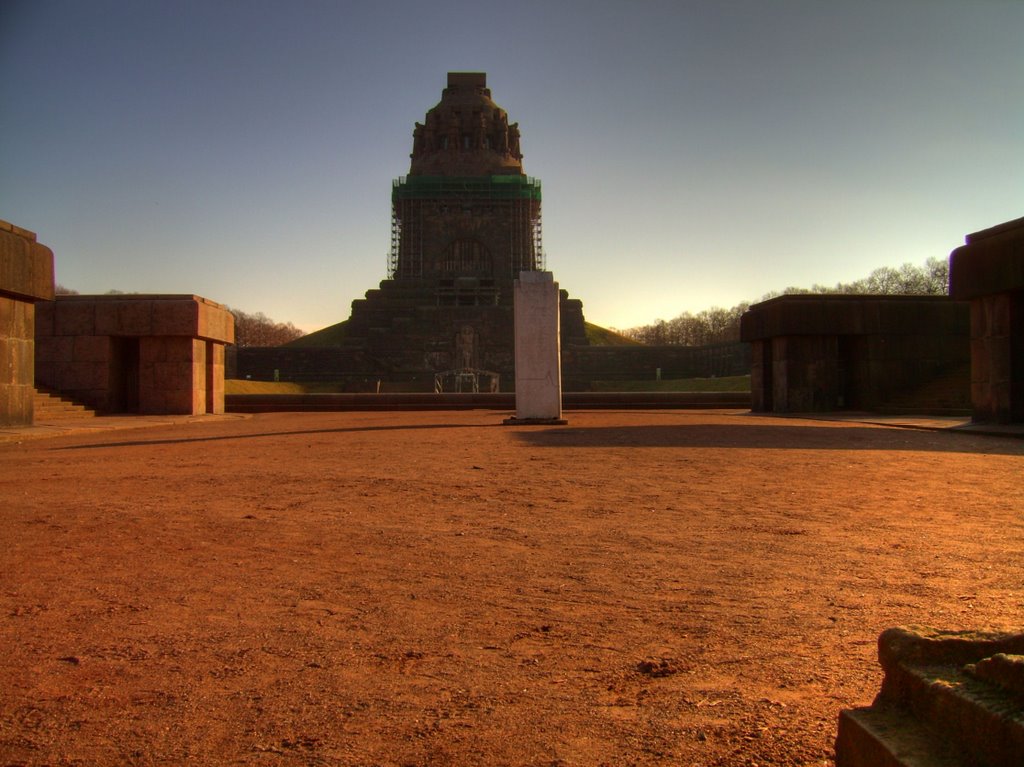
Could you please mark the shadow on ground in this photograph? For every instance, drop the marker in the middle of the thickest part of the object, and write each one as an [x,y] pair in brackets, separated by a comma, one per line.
[671,435]
[276,435]
[778,437]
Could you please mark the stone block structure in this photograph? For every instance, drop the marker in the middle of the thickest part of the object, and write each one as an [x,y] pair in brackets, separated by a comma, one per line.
[135,353]
[988,271]
[26,277]
[816,353]
[947,699]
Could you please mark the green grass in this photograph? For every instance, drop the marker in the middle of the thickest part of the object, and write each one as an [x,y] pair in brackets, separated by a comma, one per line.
[239,386]
[334,335]
[598,336]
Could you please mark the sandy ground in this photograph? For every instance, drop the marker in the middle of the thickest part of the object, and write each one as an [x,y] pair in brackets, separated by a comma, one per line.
[635,588]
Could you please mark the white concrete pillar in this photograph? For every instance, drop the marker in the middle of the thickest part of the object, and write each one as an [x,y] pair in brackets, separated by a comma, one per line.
[538,349]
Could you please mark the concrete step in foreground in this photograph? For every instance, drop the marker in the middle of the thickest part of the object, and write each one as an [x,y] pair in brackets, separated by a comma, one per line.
[53,406]
[889,737]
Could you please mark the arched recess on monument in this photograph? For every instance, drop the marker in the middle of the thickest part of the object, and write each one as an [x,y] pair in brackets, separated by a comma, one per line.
[467,257]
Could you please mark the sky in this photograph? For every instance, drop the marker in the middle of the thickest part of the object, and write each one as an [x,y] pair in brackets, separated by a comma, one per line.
[693,153]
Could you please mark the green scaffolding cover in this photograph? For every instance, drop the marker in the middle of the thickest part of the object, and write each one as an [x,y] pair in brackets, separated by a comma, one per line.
[488,187]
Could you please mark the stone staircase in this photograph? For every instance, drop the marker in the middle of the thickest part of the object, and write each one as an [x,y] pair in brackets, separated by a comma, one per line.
[947,700]
[51,405]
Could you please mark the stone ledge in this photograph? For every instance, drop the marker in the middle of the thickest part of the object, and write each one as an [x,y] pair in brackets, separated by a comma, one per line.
[849,314]
[26,267]
[7,226]
[991,262]
[140,315]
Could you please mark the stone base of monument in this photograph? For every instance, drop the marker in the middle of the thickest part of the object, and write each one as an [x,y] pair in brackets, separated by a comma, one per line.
[947,700]
[513,421]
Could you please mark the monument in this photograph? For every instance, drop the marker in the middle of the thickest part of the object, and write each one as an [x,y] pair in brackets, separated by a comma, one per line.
[465,223]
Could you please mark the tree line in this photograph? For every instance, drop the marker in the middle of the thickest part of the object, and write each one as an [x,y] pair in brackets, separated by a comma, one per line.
[717,325]
[250,329]
[259,330]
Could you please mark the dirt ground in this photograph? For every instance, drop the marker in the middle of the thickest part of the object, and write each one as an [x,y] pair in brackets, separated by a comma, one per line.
[635,588]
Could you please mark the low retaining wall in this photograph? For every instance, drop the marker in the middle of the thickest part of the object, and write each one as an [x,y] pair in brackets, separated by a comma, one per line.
[580,365]
[268,403]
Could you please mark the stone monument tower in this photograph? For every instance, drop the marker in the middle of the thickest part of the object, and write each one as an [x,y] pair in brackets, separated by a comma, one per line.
[465,222]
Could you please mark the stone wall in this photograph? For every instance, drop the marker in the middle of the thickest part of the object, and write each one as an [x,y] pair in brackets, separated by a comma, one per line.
[815,353]
[989,272]
[580,365]
[583,364]
[138,353]
[26,276]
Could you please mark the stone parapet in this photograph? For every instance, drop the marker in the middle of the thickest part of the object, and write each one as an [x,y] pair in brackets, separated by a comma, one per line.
[137,316]
[842,314]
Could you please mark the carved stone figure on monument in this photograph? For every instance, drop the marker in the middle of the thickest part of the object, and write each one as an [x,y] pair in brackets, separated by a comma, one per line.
[417,140]
[465,348]
[513,140]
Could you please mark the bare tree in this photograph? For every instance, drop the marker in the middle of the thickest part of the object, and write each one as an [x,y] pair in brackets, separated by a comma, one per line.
[259,330]
[717,325]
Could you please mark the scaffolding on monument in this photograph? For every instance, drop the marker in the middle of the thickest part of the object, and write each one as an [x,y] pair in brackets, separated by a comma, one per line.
[410,194]
[465,380]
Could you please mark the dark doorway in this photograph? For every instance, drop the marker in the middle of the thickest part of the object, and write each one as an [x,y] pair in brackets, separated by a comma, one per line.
[211,397]
[852,372]
[124,375]
[767,376]
[1017,355]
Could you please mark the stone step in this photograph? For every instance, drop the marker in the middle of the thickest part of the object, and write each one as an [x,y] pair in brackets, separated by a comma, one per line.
[52,406]
[882,737]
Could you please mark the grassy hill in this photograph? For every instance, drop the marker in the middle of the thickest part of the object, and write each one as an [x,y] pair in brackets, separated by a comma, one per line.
[332,335]
[599,336]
